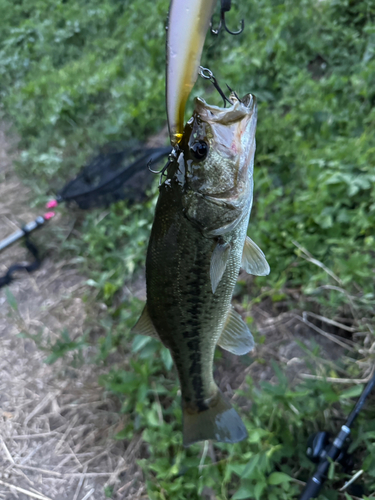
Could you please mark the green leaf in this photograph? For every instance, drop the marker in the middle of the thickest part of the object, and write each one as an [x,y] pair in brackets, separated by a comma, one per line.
[250,466]
[167,358]
[237,468]
[123,434]
[139,342]
[278,478]
[353,392]
[259,488]
[256,435]
[331,470]
[244,493]
[11,299]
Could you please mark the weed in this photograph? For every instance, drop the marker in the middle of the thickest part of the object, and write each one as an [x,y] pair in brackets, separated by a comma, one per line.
[82,74]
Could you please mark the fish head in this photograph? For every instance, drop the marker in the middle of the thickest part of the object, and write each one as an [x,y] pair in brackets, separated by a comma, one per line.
[216,159]
[218,145]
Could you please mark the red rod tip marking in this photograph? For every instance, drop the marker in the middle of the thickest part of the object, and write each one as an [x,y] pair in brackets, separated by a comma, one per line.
[51,204]
[49,215]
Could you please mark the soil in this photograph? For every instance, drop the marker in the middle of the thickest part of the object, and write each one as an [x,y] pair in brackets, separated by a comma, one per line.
[56,423]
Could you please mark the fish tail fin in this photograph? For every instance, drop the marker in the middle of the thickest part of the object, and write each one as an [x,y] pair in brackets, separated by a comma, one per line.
[220,422]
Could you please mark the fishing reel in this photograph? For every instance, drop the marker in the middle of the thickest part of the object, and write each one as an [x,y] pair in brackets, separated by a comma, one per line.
[318,445]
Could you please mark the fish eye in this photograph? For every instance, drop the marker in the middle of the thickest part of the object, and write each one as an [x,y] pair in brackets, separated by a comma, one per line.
[199,150]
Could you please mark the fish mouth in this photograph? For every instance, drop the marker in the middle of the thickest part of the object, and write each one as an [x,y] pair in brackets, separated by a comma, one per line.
[237,111]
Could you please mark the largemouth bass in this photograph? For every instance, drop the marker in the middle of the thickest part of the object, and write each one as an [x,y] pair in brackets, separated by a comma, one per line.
[198,244]
[188,23]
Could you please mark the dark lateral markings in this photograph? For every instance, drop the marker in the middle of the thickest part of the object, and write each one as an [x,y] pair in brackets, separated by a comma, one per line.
[196,375]
[197,281]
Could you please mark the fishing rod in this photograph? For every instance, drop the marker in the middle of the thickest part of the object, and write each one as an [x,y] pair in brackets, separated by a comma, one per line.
[25,230]
[323,452]
[14,237]
[113,175]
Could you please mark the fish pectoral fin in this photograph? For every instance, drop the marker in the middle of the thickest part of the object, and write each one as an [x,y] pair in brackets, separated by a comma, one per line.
[144,326]
[236,337]
[253,259]
[219,262]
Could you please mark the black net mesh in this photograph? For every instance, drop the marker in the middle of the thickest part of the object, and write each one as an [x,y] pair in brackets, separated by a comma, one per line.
[114,174]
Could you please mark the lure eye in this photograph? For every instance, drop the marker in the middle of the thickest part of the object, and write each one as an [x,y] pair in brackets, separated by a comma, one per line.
[199,150]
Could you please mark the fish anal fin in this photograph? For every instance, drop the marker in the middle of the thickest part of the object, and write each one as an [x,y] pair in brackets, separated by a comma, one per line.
[253,259]
[220,422]
[236,337]
[144,325]
[219,262]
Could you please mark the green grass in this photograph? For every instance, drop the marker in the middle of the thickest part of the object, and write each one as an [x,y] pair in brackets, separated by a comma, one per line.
[75,75]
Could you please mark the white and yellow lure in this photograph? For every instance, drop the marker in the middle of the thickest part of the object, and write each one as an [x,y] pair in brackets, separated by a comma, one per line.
[188,24]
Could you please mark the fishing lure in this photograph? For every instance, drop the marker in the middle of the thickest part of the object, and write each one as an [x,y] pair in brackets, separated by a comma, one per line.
[188,24]
[225,7]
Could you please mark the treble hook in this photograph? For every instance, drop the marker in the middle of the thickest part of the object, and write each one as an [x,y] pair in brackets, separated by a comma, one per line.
[172,156]
[225,7]
[208,75]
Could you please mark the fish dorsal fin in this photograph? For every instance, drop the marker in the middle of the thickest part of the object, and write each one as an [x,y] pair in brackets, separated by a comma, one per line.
[144,325]
[253,259]
[236,337]
[219,262]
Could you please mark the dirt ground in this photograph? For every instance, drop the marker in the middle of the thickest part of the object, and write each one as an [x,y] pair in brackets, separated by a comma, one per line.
[56,423]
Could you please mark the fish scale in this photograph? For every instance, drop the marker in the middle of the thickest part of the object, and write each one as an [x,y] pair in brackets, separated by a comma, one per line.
[186,314]
[197,245]
[189,304]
